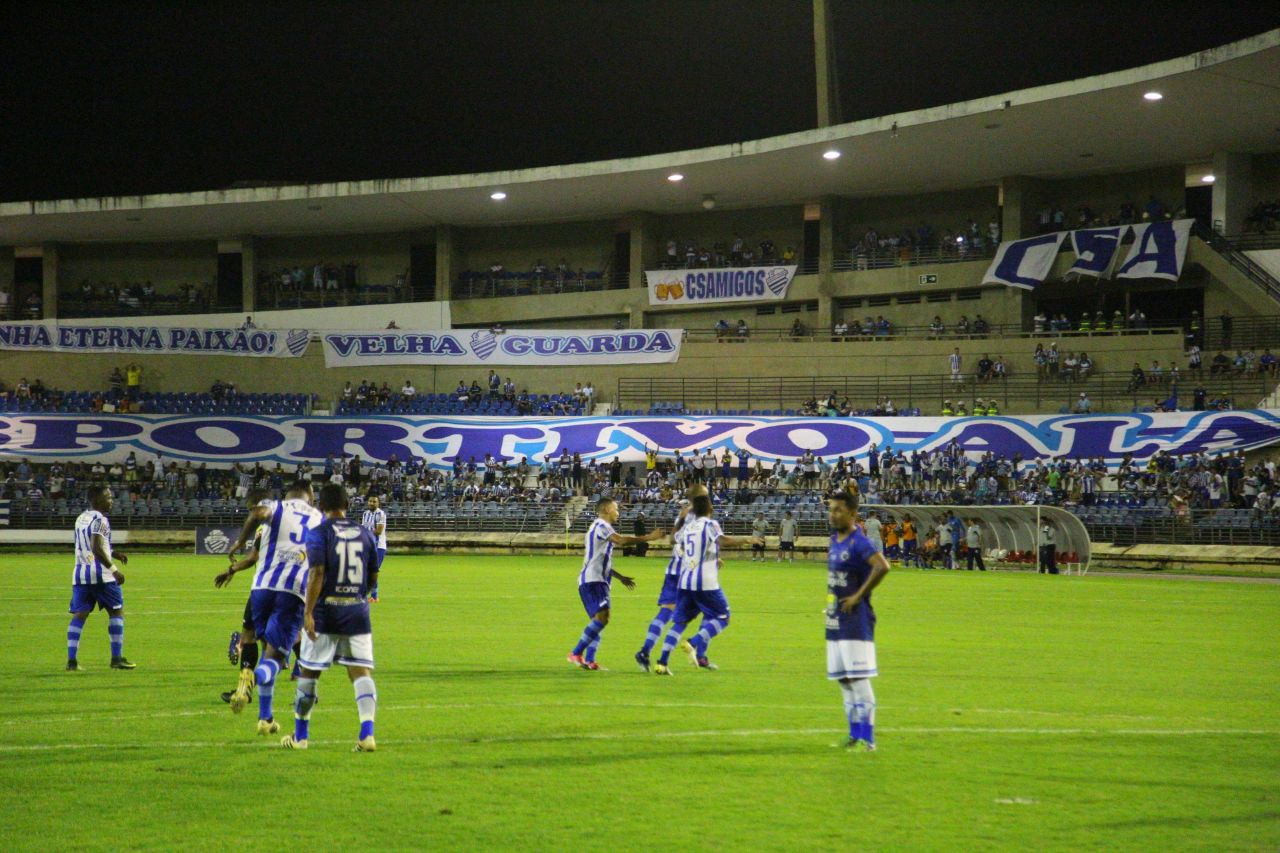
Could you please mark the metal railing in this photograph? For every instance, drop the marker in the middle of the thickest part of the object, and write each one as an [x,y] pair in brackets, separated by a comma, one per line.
[272,295]
[1238,259]
[911,256]
[1108,391]
[950,333]
[485,286]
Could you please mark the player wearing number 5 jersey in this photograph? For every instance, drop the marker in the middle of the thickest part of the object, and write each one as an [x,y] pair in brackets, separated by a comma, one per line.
[279,579]
[343,563]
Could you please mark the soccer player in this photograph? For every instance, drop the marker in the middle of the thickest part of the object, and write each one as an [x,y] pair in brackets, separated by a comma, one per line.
[343,567]
[375,521]
[596,576]
[909,554]
[700,541]
[96,580]
[243,650]
[854,569]
[670,584]
[278,583]
[787,537]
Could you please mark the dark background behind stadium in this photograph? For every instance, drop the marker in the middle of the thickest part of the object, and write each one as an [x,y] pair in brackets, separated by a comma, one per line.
[137,97]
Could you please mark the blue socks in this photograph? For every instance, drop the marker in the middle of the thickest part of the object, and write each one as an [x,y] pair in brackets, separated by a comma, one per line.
[265,675]
[669,642]
[73,637]
[655,628]
[860,709]
[115,628]
[708,631]
[304,700]
[590,635]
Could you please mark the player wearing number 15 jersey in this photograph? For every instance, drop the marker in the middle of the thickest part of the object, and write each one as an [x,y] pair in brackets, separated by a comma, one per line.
[343,563]
[279,579]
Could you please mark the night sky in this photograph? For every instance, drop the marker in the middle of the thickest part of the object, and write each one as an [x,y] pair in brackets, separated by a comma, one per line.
[128,97]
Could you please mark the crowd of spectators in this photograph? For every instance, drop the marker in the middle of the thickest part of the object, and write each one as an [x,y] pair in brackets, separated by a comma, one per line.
[869,246]
[1052,217]
[496,390]
[691,254]
[138,297]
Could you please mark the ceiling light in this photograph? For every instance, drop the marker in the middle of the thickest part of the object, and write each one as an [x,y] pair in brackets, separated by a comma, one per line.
[497,196]
[832,154]
[1208,179]
[708,202]
[675,177]
[1153,96]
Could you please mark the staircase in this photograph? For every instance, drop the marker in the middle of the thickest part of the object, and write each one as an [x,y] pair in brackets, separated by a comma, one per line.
[561,521]
[1238,259]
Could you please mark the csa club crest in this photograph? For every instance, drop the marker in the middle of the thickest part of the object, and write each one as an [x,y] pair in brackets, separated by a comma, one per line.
[297,341]
[483,344]
[776,281]
[216,541]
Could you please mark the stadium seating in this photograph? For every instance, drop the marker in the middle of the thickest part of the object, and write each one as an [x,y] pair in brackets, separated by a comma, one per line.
[166,403]
[446,404]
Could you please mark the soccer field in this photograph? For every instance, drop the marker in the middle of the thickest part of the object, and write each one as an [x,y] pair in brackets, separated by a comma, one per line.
[1015,711]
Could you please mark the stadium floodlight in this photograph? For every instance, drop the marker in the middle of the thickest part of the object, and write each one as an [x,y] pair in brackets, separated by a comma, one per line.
[498,195]
[675,177]
[831,154]
[1153,96]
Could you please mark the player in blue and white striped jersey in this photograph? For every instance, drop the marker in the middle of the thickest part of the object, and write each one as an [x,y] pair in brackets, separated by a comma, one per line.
[96,580]
[279,582]
[597,574]
[670,586]
[700,541]
[374,520]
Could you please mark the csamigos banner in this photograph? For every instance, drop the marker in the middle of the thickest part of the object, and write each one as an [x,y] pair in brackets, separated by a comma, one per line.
[221,441]
[705,286]
[1159,250]
[154,340]
[540,347]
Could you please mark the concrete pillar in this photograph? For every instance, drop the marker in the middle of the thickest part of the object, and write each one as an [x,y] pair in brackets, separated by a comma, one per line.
[9,307]
[824,62]
[49,270]
[1232,190]
[248,275]
[643,229]
[1019,200]
[448,260]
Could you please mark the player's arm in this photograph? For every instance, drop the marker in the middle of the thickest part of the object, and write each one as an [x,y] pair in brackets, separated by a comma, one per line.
[249,560]
[627,581]
[256,516]
[315,579]
[879,568]
[739,541]
[102,555]
[619,539]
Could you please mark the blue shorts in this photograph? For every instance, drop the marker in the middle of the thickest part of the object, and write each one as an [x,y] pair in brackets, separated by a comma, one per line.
[277,617]
[670,590]
[595,597]
[85,596]
[908,546]
[382,553]
[710,603]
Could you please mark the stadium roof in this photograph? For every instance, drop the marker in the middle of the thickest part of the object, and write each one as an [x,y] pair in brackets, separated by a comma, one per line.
[1223,99]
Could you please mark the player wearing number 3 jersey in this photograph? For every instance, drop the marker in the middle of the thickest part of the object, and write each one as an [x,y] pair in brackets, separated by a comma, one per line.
[344,565]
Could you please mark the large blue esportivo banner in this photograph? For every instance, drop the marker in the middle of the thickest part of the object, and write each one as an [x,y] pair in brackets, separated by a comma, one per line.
[221,441]
[153,340]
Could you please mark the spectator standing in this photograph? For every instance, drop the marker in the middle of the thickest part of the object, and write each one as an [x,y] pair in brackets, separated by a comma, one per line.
[133,377]
[973,541]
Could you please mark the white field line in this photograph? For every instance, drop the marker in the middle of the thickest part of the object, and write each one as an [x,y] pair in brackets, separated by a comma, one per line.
[648,735]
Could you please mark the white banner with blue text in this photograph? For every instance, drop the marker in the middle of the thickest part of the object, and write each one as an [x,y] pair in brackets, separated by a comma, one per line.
[705,286]
[153,340]
[1159,250]
[511,346]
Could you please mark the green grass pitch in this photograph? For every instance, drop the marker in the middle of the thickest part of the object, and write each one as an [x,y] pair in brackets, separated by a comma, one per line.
[1016,711]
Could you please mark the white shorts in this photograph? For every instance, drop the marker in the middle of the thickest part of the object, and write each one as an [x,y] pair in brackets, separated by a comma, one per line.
[326,649]
[845,659]
[242,491]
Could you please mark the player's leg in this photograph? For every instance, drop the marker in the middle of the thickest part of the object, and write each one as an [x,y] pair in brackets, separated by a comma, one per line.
[79,615]
[595,600]
[666,609]
[860,710]
[356,653]
[685,610]
[304,699]
[278,618]
[247,659]
[589,654]
[111,599]
[715,618]
[373,593]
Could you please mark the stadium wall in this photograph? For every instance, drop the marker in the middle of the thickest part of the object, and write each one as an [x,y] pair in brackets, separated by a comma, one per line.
[888,358]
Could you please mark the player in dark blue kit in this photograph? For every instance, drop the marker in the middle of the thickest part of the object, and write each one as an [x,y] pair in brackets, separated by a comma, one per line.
[854,569]
[343,562]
